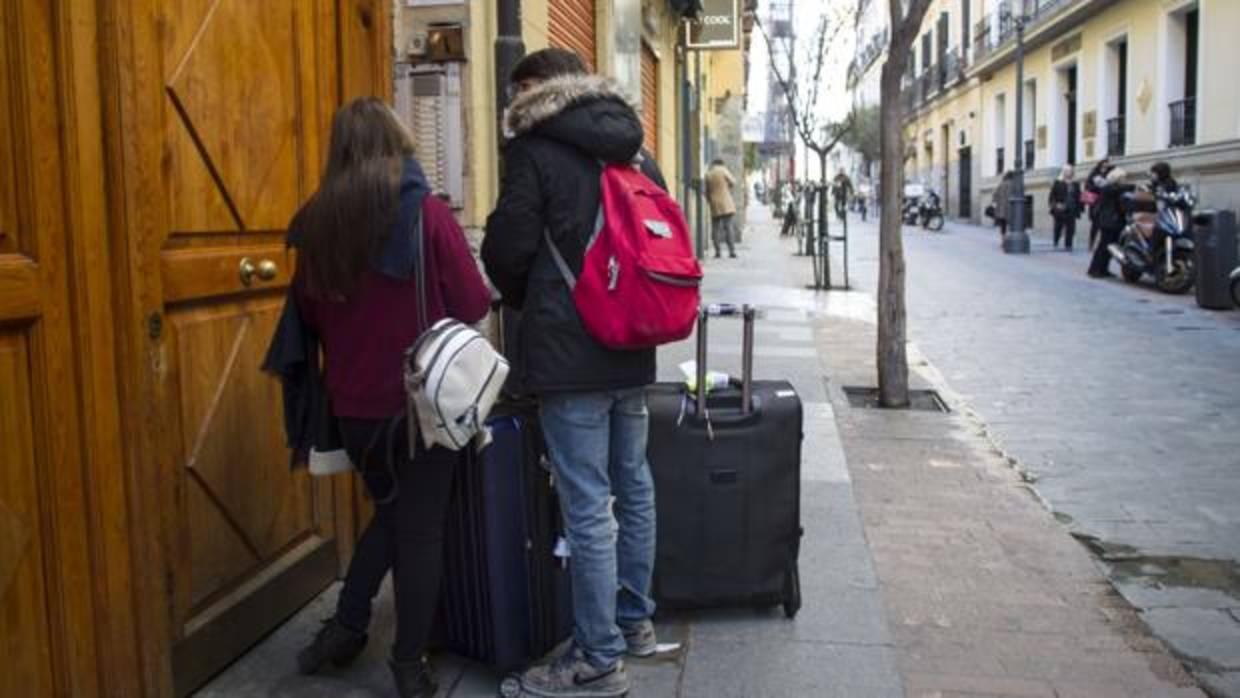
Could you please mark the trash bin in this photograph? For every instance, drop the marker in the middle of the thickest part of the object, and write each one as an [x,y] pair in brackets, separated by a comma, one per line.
[1214,233]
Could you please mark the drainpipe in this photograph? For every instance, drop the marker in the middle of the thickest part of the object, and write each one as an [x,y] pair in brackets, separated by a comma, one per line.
[508,51]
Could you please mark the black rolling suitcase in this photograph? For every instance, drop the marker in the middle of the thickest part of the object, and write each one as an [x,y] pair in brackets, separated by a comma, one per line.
[506,596]
[727,472]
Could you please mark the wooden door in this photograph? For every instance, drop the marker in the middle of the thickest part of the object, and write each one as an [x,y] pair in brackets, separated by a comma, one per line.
[47,630]
[224,107]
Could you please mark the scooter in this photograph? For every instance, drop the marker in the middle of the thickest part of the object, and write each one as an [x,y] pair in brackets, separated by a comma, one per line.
[1158,240]
[924,210]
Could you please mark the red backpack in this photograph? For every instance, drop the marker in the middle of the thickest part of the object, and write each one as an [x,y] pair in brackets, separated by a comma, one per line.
[639,278]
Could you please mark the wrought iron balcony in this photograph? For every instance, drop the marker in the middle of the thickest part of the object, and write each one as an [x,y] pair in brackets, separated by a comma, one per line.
[1183,122]
[1115,136]
[998,27]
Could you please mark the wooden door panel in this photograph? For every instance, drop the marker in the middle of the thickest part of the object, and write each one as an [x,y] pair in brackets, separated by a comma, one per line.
[237,523]
[24,632]
[46,582]
[236,94]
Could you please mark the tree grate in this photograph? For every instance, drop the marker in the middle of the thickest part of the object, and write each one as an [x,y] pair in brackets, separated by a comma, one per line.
[864,397]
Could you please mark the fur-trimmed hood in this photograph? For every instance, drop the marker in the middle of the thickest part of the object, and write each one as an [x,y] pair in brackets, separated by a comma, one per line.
[585,111]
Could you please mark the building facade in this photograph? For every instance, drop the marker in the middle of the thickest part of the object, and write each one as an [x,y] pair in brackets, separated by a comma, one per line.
[1136,80]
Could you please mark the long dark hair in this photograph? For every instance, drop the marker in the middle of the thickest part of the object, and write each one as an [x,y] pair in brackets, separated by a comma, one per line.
[341,228]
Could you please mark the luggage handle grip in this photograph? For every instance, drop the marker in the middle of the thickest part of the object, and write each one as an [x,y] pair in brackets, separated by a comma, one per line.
[748,315]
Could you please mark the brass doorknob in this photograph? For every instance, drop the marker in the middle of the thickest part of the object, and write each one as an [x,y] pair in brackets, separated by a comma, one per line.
[264,270]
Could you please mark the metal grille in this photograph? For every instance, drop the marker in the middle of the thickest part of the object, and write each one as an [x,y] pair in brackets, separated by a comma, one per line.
[1115,136]
[1184,122]
[572,26]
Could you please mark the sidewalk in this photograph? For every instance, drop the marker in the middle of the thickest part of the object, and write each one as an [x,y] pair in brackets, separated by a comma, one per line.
[928,569]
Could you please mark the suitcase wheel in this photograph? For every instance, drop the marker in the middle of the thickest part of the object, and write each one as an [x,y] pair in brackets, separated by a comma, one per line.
[792,592]
[510,687]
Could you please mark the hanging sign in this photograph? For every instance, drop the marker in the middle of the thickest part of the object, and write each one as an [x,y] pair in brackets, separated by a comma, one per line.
[717,26]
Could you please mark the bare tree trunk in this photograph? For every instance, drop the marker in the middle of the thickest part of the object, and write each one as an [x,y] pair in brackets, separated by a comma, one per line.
[891,352]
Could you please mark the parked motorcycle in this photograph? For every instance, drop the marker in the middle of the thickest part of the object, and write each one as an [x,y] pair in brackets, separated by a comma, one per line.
[924,210]
[1158,239]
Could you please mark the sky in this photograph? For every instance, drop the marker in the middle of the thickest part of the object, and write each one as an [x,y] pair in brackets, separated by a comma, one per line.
[835,100]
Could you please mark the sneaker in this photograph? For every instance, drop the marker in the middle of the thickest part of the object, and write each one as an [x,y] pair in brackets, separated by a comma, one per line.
[640,639]
[415,679]
[334,643]
[571,676]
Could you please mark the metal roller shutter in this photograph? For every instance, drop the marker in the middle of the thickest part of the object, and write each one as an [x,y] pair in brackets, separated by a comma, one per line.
[572,27]
[650,101]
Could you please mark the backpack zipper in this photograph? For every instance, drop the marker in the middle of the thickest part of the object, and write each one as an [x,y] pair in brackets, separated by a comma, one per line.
[673,280]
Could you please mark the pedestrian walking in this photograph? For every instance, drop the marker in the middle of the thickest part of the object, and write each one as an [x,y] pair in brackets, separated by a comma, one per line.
[565,123]
[841,192]
[719,183]
[1065,206]
[1000,204]
[1111,220]
[1089,196]
[355,241]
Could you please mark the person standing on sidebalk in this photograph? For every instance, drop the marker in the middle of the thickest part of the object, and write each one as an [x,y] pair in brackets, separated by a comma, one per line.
[564,124]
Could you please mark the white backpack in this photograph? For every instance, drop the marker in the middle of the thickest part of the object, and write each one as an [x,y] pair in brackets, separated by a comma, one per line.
[452,376]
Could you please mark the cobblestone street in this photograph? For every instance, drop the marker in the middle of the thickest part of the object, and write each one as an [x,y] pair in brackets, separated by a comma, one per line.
[1120,403]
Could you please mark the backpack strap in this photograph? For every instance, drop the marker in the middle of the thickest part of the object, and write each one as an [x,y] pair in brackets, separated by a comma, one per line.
[560,262]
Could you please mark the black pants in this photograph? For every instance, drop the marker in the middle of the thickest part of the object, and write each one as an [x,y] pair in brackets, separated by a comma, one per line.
[1093,230]
[405,535]
[1066,226]
[1002,223]
[1101,261]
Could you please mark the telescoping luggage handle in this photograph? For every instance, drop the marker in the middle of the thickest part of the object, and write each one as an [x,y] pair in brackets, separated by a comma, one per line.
[748,315]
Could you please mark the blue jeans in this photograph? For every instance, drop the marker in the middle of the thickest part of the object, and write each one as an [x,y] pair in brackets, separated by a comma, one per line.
[597,443]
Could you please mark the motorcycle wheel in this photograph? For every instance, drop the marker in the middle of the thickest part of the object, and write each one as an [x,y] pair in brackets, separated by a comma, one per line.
[934,222]
[1183,273]
[1130,273]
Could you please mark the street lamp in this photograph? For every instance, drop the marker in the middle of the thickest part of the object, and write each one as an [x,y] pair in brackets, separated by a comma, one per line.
[1016,241]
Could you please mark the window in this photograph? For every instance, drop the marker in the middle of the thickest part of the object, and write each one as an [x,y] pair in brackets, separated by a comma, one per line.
[999,129]
[1029,122]
[1115,96]
[1182,46]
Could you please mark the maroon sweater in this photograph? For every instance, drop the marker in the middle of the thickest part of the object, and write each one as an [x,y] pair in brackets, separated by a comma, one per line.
[365,338]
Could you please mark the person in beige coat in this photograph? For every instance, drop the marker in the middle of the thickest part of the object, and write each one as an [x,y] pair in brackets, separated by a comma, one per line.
[719,183]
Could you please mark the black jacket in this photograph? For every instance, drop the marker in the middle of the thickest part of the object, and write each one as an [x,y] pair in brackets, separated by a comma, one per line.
[1069,196]
[561,131]
[1110,214]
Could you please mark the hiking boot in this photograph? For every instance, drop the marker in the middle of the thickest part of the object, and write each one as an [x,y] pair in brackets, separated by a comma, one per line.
[640,639]
[571,676]
[334,643]
[415,679]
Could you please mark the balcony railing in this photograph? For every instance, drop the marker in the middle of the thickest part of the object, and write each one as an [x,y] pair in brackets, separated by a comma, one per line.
[1183,122]
[998,27]
[999,163]
[1029,152]
[1115,136]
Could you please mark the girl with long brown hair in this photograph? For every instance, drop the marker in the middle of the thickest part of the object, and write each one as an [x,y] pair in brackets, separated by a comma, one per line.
[355,289]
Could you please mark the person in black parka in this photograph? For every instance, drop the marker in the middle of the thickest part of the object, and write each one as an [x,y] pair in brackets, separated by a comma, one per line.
[1065,206]
[565,125]
[1111,218]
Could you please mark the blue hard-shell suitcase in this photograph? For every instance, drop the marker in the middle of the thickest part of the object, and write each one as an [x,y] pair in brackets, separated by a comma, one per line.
[506,598]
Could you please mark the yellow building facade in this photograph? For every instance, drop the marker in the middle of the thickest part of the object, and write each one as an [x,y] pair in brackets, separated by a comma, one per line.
[473,136]
[1137,80]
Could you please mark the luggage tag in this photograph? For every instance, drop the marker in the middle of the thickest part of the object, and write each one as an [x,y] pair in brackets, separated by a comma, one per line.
[562,551]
